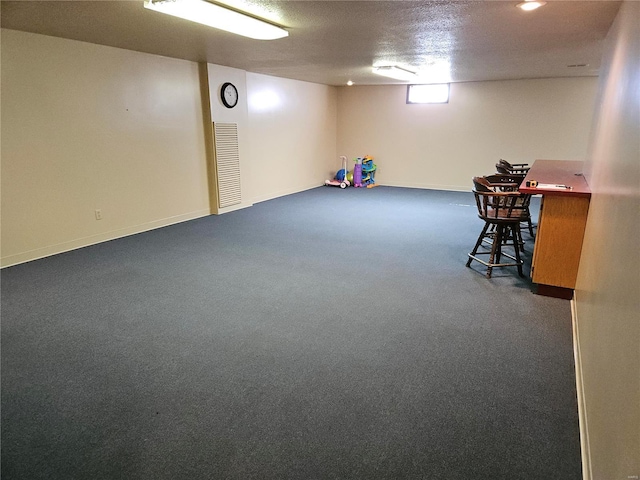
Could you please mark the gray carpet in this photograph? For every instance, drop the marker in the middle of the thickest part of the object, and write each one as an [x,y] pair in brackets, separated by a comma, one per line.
[330,334]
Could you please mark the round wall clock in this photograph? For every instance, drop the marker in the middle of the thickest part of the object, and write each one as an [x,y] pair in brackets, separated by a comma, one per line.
[229,95]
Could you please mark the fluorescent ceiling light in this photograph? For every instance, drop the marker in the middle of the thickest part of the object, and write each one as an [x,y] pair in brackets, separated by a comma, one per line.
[393,71]
[529,5]
[216,16]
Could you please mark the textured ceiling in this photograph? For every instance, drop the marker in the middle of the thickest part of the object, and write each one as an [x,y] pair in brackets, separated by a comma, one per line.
[331,42]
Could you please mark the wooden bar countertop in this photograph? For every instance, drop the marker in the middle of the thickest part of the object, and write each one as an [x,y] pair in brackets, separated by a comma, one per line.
[557,172]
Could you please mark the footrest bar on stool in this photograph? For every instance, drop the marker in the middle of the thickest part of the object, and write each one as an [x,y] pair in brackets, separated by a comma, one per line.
[487,264]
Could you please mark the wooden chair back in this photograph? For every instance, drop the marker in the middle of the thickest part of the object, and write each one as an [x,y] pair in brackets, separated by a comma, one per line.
[499,206]
[504,182]
[512,168]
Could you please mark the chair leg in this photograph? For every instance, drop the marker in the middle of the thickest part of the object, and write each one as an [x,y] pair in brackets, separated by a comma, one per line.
[478,243]
[508,234]
[501,238]
[519,239]
[495,248]
[516,233]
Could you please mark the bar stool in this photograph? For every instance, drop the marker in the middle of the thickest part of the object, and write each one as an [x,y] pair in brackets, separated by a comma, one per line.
[512,168]
[502,213]
[505,182]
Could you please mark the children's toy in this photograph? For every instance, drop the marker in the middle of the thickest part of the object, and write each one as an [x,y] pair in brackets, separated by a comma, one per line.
[350,177]
[357,173]
[340,179]
[368,171]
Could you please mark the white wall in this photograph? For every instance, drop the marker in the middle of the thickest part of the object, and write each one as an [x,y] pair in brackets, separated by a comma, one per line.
[607,297]
[88,127]
[217,75]
[443,146]
[292,126]
[286,132]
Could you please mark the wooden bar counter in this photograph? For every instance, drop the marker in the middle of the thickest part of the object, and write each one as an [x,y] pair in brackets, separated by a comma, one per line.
[561,225]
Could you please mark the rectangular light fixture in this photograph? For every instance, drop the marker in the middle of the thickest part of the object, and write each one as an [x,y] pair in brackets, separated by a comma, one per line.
[219,17]
[393,71]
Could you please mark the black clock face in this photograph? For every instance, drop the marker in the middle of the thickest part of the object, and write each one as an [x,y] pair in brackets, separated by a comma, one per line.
[229,95]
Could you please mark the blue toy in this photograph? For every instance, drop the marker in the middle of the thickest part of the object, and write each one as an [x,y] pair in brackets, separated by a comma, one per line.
[368,171]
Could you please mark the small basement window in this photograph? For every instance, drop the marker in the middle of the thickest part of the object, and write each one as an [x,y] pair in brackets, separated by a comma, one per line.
[434,93]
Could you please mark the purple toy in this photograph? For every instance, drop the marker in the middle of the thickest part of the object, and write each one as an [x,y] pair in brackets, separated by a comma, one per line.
[357,173]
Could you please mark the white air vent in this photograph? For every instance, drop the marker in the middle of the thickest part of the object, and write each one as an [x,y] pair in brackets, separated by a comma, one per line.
[227,163]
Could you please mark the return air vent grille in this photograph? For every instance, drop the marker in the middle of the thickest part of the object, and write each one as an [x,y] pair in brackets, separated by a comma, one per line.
[227,163]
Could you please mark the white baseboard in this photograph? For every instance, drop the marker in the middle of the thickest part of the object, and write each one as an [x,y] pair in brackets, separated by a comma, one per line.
[582,413]
[50,250]
[284,192]
[233,208]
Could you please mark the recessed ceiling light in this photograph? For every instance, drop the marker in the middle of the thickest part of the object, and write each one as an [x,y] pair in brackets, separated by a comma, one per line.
[349,83]
[529,5]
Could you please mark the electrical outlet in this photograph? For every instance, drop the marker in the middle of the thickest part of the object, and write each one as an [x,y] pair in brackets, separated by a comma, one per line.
[98,214]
